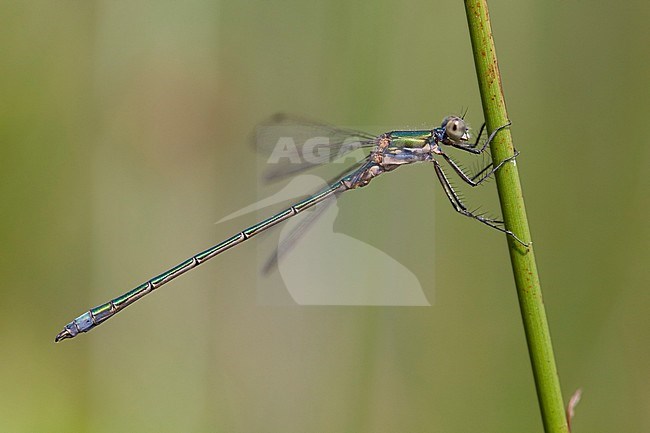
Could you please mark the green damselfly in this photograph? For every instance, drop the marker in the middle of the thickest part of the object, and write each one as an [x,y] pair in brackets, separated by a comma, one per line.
[388,151]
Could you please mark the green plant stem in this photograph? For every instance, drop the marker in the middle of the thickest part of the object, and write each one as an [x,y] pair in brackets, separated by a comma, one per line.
[524,268]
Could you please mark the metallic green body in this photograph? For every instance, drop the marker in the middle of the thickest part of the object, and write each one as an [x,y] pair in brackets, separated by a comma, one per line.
[409,139]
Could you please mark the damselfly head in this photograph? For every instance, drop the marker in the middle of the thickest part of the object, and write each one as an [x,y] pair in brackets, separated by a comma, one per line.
[456,130]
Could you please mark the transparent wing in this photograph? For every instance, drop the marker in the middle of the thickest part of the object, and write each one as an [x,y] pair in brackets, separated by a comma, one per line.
[297,233]
[290,241]
[294,144]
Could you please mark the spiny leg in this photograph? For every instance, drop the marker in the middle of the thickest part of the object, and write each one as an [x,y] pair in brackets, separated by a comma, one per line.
[478,137]
[471,179]
[483,170]
[462,209]
[472,147]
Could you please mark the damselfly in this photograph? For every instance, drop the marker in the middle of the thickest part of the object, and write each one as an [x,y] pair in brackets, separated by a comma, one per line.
[388,151]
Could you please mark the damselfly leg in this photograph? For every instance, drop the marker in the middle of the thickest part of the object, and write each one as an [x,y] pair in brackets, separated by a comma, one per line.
[471,148]
[471,179]
[460,207]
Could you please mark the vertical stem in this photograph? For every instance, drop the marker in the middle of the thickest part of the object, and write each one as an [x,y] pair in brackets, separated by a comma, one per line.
[524,268]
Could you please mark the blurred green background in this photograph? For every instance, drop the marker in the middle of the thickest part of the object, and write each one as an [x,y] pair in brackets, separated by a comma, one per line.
[124,130]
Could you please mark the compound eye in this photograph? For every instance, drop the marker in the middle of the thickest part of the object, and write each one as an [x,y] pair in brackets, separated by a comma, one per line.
[455,128]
